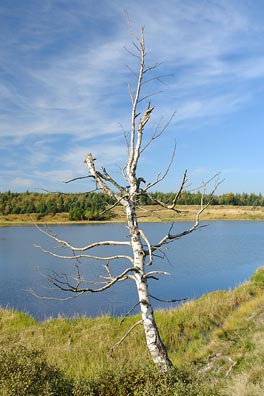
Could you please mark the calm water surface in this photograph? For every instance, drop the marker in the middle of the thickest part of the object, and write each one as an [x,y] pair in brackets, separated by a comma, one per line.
[219,256]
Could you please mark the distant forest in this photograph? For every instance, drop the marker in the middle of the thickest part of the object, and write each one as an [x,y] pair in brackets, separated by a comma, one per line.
[81,206]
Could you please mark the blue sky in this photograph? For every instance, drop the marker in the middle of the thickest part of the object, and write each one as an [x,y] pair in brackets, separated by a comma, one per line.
[63,90]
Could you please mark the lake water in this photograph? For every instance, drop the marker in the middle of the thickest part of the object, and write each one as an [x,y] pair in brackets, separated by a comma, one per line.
[219,256]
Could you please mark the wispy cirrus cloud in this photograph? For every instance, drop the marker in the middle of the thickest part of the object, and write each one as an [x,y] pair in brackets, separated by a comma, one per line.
[63,73]
[84,83]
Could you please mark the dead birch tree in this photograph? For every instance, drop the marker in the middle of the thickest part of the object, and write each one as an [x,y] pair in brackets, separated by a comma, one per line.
[142,251]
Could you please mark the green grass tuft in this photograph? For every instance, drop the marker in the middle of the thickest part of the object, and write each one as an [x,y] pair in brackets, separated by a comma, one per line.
[219,335]
[258,277]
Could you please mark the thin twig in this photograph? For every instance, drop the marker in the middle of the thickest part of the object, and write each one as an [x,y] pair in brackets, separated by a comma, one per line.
[70,288]
[129,312]
[124,337]
[157,135]
[160,178]
[33,293]
[172,237]
[169,301]
[77,178]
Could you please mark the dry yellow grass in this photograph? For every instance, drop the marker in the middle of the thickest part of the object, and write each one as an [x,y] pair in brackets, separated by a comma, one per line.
[188,213]
[150,214]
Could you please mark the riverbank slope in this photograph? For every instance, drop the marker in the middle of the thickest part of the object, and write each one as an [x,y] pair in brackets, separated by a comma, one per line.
[216,343]
[149,213]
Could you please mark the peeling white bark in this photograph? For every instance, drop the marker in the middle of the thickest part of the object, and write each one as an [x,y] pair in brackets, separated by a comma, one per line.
[142,249]
[154,343]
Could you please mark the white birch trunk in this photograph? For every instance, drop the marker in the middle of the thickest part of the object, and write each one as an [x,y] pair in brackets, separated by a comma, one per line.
[154,343]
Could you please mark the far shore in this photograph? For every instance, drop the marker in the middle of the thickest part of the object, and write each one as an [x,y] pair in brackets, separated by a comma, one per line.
[147,214]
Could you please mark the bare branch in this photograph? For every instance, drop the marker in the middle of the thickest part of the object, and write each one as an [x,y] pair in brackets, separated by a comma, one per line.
[141,125]
[135,56]
[159,179]
[149,274]
[153,67]
[65,286]
[157,78]
[132,33]
[157,135]
[175,199]
[214,177]
[172,237]
[33,293]
[77,178]
[64,243]
[124,337]
[111,207]
[136,46]
[160,203]
[169,301]
[87,256]
[108,178]
[231,367]
[100,177]
[108,272]
[132,71]
[149,96]
[162,82]
[129,312]
[144,237]
[131,161]
[131,93]
[125,136]
[178,194]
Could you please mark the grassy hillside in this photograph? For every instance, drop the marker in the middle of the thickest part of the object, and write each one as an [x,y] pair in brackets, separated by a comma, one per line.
[215,342]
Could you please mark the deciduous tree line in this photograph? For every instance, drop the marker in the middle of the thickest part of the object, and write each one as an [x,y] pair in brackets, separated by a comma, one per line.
[78,206]
[90,205]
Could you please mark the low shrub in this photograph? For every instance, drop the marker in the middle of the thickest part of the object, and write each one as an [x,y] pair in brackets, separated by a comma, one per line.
[145,381]
[25,372]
